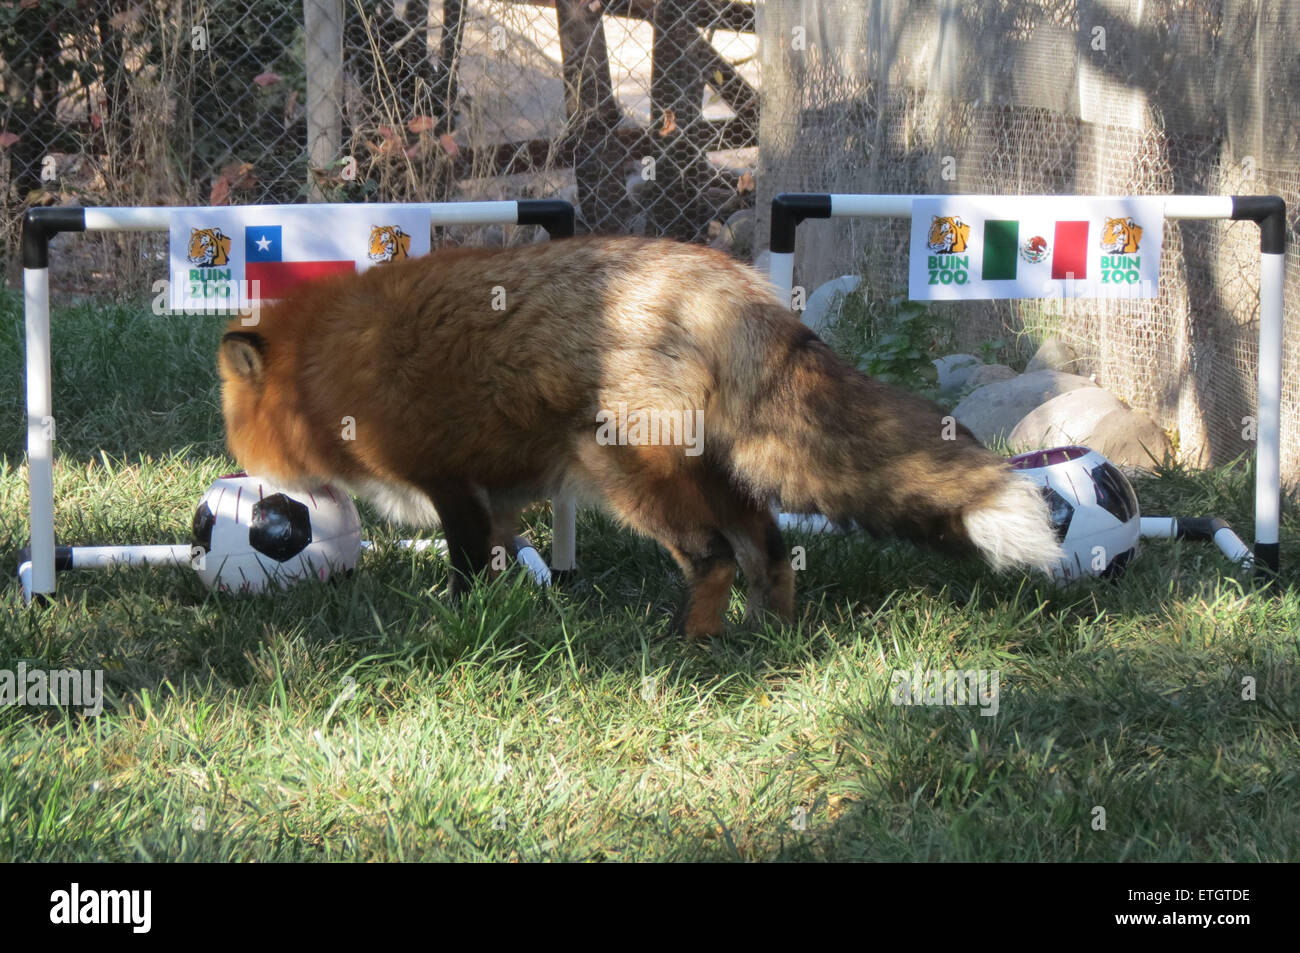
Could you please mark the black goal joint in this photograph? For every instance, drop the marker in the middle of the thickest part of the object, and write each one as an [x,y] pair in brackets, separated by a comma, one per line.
[791,208]
[43,223]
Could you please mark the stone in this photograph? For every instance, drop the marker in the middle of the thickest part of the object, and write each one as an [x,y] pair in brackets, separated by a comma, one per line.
[1070,418]
[1054,354]
[1130,439]
[987,374]
[954,370]
[737,235]
[823,305]
[993,410]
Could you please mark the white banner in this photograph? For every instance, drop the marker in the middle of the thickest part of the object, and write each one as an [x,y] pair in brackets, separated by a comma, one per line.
[1035,246]
[223,259]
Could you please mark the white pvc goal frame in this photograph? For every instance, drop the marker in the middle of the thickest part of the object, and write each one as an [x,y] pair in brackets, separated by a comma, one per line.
[1266,211]
[41,561]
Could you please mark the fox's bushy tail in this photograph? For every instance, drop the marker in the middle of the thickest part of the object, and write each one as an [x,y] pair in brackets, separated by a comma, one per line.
[828,439]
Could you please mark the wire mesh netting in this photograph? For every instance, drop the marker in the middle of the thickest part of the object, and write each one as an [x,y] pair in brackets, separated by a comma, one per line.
[1057,96]
[643,113]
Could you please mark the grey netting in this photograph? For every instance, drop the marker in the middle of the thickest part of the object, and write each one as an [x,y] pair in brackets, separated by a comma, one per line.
[1054,96]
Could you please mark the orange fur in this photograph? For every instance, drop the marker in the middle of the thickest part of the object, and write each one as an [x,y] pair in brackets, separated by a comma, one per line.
[474,381]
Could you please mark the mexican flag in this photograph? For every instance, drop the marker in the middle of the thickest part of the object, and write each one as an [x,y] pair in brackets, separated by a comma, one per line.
[1065,247]
[976,246]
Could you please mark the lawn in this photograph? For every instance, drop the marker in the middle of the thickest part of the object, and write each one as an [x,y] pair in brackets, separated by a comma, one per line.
[366,720]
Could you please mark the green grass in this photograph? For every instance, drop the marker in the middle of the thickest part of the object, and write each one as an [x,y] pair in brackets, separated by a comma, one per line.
[366,720]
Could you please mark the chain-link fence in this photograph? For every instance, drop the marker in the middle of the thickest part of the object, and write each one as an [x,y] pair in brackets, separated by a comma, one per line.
[1111,97]
[643,113]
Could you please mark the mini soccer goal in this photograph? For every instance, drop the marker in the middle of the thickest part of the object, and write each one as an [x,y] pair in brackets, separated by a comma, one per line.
[41,561]
[1004,254]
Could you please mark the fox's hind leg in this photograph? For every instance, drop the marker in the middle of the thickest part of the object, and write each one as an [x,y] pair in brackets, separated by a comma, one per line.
[467,523]
[761,551]
[651,490]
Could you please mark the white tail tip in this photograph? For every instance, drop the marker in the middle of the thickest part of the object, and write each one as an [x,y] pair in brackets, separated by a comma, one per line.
[1014,529]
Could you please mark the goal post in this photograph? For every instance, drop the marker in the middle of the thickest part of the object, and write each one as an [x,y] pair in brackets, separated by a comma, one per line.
[40,562]
[1266,211]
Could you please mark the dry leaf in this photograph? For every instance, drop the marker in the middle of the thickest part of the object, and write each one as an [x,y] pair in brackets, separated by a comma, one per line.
[220,192]
[745,183]
[266,79]
[7,139]
[449,145]
[126,17]
[421,124]
[669,124]
[240,175]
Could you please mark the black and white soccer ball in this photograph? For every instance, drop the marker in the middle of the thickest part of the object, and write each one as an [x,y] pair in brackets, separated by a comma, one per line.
[250,534]
[1093,509]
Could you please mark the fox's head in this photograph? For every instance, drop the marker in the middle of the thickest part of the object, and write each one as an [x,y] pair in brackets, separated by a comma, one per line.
[266,430]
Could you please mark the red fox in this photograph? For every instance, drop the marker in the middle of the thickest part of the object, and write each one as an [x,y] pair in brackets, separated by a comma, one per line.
[459,387]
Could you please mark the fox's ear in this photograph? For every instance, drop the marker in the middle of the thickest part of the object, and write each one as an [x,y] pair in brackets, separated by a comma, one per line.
[242,352]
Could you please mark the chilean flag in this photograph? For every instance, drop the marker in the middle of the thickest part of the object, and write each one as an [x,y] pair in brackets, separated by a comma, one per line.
[264,263]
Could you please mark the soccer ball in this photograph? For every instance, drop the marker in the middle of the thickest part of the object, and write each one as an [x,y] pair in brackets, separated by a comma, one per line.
[1093,509]
[249,533]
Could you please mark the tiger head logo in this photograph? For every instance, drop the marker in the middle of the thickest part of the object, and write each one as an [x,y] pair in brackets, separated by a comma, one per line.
[208,247]
[948,234]
[1121,236]
[388,243]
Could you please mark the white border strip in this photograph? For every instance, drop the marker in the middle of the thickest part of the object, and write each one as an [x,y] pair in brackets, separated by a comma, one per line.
[158,219]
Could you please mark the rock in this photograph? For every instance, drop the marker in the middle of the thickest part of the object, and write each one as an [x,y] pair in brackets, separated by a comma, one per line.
[987,374]
[823,306]
[1069,418]
[1095,418]
[737,234]
[1130,439]
[954,370]
[993,410]
[1054,354]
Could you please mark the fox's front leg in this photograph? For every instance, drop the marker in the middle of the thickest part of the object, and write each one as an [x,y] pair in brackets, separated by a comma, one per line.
[462,509]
